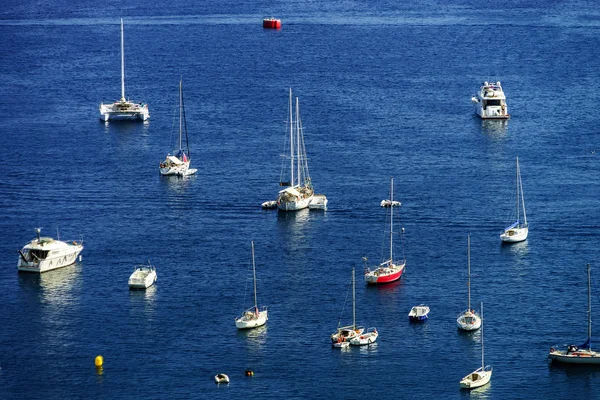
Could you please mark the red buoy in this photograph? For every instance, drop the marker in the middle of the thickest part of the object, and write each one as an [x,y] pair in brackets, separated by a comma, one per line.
[271,23]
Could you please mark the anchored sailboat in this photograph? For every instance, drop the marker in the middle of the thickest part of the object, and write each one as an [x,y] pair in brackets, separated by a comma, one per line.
[299,191]
[388,270]
[123,109]
[252,317]
[480,376]
[517,232]
[469,320]
[579,354]
[179,164]
[343,335]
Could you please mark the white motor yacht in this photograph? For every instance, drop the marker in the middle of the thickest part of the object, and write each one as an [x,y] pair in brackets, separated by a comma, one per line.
[44,254]
[142,277]
[490,102]
[123,109]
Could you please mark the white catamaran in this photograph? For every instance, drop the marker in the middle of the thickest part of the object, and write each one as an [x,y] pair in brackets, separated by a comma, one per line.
[299,191]
[517,232]
[123,109]
[179,164]
[579,354]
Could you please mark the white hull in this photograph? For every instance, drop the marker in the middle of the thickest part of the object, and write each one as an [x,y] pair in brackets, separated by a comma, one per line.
[126,112]
[62,259]
[514,235]
[365,339]
[490,102]
[491,113]
[468,321]
[476,379]
[252,321]
[301,204]
[579,357]
[181,170]
[142,281]
[346,334]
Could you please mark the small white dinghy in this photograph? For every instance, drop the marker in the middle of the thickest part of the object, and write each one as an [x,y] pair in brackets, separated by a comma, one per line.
[221,378]
[419,313]
[269,204]
[318,202]
[341,344]
[480,376]
[142,277]
[370,336]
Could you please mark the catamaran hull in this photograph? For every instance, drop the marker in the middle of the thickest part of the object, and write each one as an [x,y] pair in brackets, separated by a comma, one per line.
[514,235]
[124,117]
[294,205]
[61,260]
[178,170]
[373,278]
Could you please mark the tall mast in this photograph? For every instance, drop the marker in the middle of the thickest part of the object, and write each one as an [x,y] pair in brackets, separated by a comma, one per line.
[291,142]
[298,139]
[469,269]
[589,308]
[122,63]
[482,360]
[180,112]
[521,190]
[517,199]
[254,273]
[353,302]
[391,220]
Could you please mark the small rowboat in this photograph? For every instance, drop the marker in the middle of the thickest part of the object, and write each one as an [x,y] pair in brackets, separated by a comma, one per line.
[221,378]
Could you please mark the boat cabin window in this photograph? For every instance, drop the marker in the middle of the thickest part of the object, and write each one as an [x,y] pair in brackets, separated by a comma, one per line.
[40,254]
[491,103]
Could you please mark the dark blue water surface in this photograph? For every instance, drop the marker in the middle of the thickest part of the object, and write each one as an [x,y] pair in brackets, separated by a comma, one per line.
[384,90]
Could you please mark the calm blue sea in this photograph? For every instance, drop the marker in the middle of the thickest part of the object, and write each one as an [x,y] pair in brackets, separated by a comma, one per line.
[384,89]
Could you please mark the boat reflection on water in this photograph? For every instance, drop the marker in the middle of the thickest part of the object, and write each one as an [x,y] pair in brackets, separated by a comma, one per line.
[369,349]
[148,294]
[54,287]
[495,129]
[518,251]
[480,393]
[255,339]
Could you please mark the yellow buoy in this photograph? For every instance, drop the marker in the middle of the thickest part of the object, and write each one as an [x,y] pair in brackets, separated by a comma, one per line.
[99,361]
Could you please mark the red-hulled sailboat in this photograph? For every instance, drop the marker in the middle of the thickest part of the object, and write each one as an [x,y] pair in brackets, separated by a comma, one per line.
[389,270]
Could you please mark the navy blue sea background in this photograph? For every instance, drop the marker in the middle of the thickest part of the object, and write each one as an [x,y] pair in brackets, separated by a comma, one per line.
[384,89]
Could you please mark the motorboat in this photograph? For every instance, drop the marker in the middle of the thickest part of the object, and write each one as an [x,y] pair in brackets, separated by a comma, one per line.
[221,378]
[45,254]
[143,277]
[579,354]
[123,109]
[490,101]
[344,334]
[389,270]
[469,320]
[253,317]
[419,313]
[480,376]
[366,338]
[298,192]
[518,230]
[179,164]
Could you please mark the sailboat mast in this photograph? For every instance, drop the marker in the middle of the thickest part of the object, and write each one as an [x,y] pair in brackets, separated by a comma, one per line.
[469,269]
[122,63]
[353,302]
[391,220]
[180,113]
[482,359]
[517,199]
[291,141]
[298,139]
[254,273]
[589,308]
[521,190]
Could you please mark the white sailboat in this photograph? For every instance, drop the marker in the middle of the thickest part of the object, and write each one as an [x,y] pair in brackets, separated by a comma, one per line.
[252,317]
[469,320]
[343,335]
[179,164]
[123,109]
[480,376]
[579,354]
[517,232]
[299,191]
[388,270]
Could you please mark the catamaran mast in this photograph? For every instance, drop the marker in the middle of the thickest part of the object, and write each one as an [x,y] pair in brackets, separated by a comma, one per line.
[482,360]
[391,220]
[254,273]
[469,269]
[589,308]
[353,302]
[291,141]
[122,63]
[298,139]
[180,114]
[520,183]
